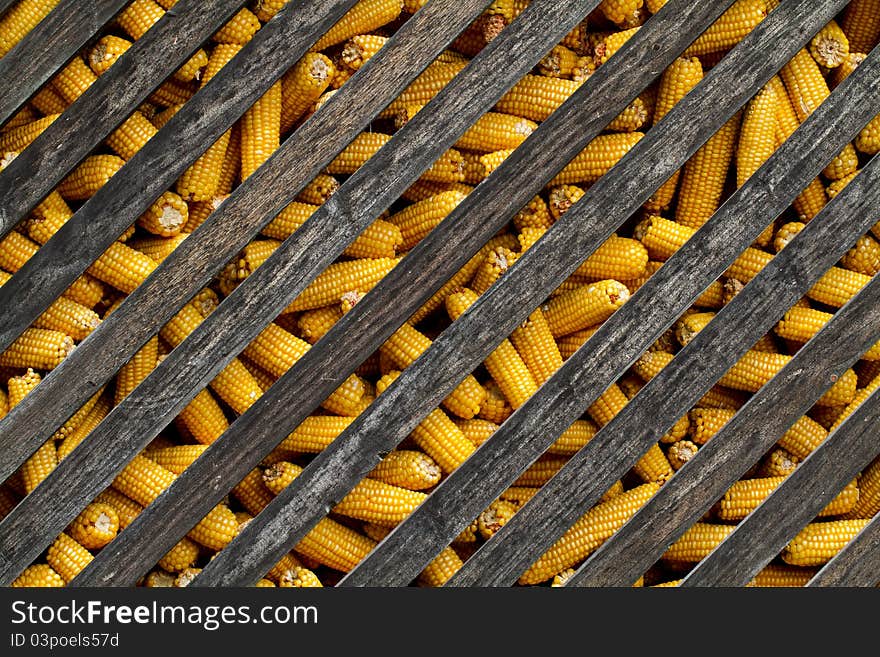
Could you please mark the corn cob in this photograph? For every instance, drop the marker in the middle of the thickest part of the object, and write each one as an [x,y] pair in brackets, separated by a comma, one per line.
[448,168]
[436,434]
[610,44]
[407,469]
[697,542]
[335,545]
[20,19]
[861,24]
[95,526]
[419,219]
[744,497]
[757,141]
[597,158]
[261,131]
[67,557]
[830,47]
[868,503]
[534,341]
[588,533]
[365,16]
[426,86]
[733,26]
[818,542]
[584,307]
[38,576]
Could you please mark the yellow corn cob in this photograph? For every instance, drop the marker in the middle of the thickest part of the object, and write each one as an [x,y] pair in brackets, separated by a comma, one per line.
[48,101]
[201,180]
[38,348]
[778,463]
[782,576]
[17,139]
[568,344]
[20,19]
[846,163]
[448,168]
[460,278]
[64,315]
[425,87]
[261,131]
[818,542]
[497,262]
[702,182]
[407,344]
[38,576]
[868,139]
[588,533]
[495,407]
[360,49]
[315,433]
[861,23]
[830,47]
[755,368]
[365,16]
[680,453]
[837,286]
[436,434]
[541,471]
[252,493]
[299,578]
[757,141]
[868,503]
[82,429]
[610,44]
[744,497]
[801,324]
[559,62]
[536,97]
[846,68]
[597,158]
[504,363]
[23,116]
[313,324]
[158,248]
[95,526]
[319,190]
[441,568]
[733,26]
[67,557]
[476,430]
[584,307]
[266,9]
[203,418]
[407,469]
[494,517]
[92,174]
[618,11]
[618,258]
[239,29]
[419,219]
[180,557]
[143,481]
[806,87]
[560,199]
[105,52]
[122,267]
[697,542]
[573,439]
[166,217]
[486,165]
[178,458]
[534,342]
[335,545]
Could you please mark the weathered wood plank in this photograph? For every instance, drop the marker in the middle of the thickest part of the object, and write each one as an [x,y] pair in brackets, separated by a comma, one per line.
[763,534]
[116,205]
[689,494]
[858,564]
[157,165]
[333,226]
[48,47]
[420,388]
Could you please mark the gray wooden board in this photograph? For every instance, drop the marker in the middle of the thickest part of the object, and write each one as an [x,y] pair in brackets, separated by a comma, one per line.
[740,443]
[48,47]
[336,469]
[858,564]
[358,201]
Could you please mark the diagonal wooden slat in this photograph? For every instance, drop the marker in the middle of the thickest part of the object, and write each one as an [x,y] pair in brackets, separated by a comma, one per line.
[337,468]
[365,194]
[48,47]
[763,534]
[125,197]
[497,463]
[157,165]
[858,564]
[690,493]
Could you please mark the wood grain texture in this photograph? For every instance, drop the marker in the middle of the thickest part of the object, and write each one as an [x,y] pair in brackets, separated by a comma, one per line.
[158,164]
[370,434]
[48,47]
[858,564]
[763,534]
[690,493]
[351,209]
[116,205]
[107,103]
[497,462]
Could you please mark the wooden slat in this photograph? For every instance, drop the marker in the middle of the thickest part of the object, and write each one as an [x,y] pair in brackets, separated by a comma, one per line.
[617,344]
[48,47]
[758,425]
[159,163]
[274,185]
[106,104]
[128,193]
[858,564]
[6,4]
[762,535]
[270,288]
[421,386]
[497,463]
